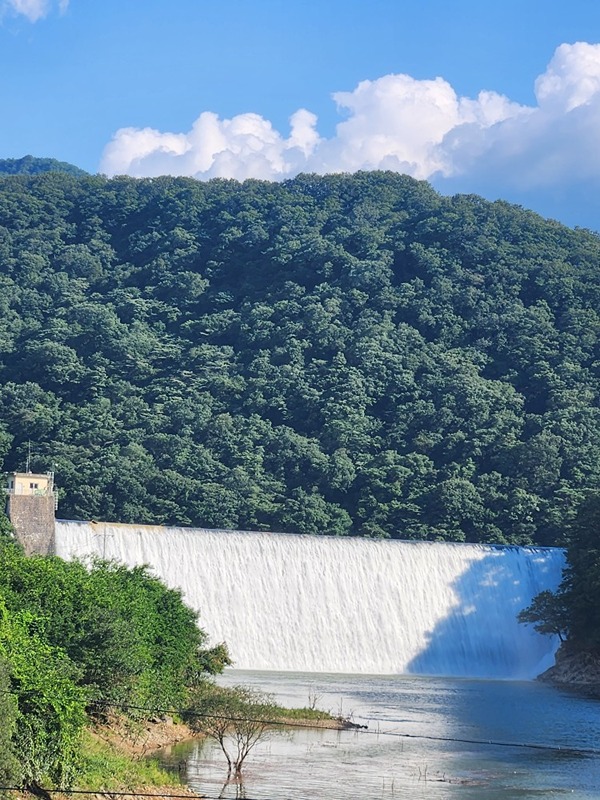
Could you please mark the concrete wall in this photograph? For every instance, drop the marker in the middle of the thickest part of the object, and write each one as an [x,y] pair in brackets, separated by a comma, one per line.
[32,517]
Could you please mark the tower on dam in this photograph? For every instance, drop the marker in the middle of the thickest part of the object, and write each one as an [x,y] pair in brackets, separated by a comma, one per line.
[31,501]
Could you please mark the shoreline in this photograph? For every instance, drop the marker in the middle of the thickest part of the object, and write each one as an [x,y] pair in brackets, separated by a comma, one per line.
[575,670]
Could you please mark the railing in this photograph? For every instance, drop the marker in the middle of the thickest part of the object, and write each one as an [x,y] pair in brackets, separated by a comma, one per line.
[29,492]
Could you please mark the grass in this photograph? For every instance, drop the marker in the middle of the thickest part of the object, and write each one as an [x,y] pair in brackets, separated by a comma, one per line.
[305,714]
[105,768]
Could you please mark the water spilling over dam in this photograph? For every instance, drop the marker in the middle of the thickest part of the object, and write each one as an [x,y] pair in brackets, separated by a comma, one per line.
[327,604]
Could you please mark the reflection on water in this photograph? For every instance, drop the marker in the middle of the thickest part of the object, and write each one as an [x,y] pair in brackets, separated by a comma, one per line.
[411,748]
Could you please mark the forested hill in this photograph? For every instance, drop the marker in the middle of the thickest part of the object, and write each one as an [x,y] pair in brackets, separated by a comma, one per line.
[29,165]
[340,354]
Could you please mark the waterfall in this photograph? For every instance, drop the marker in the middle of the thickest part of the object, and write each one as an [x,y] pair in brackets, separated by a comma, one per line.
[328,604]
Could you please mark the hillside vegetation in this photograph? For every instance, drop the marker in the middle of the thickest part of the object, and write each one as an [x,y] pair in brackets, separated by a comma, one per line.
[30,165]
[77,643]
[339,354]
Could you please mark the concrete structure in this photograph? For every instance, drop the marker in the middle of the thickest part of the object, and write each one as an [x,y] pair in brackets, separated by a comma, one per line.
[30,506]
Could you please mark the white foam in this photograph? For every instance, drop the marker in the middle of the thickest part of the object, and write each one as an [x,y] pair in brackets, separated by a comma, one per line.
[327,604]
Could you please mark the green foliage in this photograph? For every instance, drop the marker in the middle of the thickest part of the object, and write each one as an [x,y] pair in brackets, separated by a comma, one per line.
[133,640]
[9,765]
[581,584]
[339,354]
[213,660]
[548,613]
[237,718]
[143,646]
[104,768]
[72,635]
[573,611]
[7,535]
[305,714]
[50,706]
[28,165]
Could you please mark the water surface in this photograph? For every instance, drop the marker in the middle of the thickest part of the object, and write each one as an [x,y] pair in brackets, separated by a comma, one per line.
[412,747]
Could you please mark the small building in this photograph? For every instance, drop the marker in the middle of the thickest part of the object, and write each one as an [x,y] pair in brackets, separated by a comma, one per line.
[31,501]
[30,483]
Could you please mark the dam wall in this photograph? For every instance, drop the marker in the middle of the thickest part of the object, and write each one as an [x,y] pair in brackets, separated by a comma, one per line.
[346,605]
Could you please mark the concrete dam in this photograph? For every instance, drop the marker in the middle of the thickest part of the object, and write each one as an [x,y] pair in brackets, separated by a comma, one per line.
[346,605]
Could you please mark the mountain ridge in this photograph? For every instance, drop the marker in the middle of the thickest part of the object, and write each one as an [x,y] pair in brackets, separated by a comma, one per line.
[342,354]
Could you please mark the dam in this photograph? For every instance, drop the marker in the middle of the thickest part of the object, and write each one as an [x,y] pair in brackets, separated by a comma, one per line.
[302,603]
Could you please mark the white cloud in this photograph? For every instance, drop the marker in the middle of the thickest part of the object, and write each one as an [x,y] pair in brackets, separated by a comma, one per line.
[552,144]
[400,123]
[421,127]
[242,147]
[572,78]
[133,146]
[35,9]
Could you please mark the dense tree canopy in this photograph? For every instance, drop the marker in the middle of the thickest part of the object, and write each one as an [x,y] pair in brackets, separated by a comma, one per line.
[339,354]
[573,611]
[77,639]
[580,589]
[30,165]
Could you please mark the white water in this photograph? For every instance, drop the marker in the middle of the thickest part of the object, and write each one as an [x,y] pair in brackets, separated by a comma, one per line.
[346,605]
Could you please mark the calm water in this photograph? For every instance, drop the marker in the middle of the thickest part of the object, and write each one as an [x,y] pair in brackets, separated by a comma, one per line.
[405,753]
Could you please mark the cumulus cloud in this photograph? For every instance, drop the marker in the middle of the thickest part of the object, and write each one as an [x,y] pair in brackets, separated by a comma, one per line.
[550,151]
[572,78]
[35,9]
[246,146]
[400,123]
[420,127]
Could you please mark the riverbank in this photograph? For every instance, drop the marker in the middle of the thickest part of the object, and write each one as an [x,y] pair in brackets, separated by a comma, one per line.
[118,754]
[139,739]
[575,670]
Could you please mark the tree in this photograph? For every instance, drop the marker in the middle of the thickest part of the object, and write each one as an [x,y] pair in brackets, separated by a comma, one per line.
[263,355]
[50,706]
[581,582]
[237,718]
[130,638]
[29,165]
[548,613]
[573,611]
[7,532]
[9,765]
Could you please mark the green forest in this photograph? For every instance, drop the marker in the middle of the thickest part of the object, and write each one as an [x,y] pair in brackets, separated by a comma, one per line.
[78,641]
[348,354]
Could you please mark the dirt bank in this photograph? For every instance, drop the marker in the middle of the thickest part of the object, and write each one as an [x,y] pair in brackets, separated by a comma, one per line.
[142,738]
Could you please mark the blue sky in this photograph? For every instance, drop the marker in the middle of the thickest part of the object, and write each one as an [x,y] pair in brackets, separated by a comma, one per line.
[496,98]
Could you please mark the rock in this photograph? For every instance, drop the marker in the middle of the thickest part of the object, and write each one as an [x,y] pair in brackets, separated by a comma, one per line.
[574,668]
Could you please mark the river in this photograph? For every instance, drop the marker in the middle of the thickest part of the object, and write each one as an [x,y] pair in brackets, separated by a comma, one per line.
[427,738]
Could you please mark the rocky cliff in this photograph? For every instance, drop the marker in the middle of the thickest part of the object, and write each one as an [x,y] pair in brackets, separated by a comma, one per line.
[574,668]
